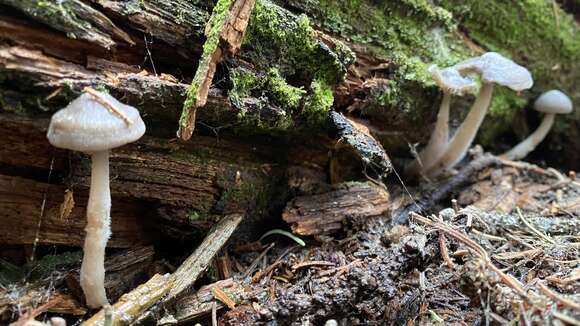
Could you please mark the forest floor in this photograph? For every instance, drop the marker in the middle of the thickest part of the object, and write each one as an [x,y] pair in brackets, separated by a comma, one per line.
[504,251]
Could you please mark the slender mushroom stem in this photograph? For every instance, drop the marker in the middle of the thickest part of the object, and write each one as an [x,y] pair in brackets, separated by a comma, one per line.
[438,141]
[459,144]
[529,144]
[98,231]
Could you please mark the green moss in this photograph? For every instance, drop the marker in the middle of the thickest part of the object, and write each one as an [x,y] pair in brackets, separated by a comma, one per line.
[274,33]
[281,92]
[244,82]
[102,88]
[213,29]
[318,103]
[286,58]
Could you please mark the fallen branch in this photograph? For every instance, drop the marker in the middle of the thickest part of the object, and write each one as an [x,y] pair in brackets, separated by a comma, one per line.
[133,304]
[224,33]
[442,190]
[196,263]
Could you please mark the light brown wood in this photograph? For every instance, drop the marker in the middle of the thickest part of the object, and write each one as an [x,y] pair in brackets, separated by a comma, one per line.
[324,213]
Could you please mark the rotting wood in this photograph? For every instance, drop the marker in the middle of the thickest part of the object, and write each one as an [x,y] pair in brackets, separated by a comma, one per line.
[324,213]
[198,305]
[360,142]
[151,179]
[123,272]
[224,33]
[186,275]
[22,199]
[74,18]
[133,304]
[54,78]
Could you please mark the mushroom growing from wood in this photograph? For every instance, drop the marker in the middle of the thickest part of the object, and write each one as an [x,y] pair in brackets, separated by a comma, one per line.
[551,103]
[451,83]
[94,123]
[494,69]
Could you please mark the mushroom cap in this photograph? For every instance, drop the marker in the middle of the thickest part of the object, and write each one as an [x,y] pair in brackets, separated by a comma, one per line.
[495,68]
[450,81]
[553,101]
[88,126]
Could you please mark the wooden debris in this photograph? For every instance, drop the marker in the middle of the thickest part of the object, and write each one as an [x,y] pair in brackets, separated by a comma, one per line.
[192,307]
[151,180]
[324,213]
[133,304]
[87,23]
[24,197]
[186,275]
[360,142]
[224,33]
[439,191]
[219,294]
[123,272]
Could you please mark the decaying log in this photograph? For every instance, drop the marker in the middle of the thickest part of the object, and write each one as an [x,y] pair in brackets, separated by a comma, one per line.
[21,216]
[324,213]
[124,269]
[188,186]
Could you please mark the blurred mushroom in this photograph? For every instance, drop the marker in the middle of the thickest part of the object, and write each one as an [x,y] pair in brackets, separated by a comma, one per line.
[493,68]
[94,123]
[451,83]
[551,103]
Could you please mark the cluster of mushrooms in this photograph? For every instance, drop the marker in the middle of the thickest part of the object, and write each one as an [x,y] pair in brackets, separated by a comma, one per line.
[441,154]
[96,122]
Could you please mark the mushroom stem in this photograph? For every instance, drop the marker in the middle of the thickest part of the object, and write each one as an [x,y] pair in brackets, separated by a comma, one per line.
[529,144]
[438,141]
[98,230]
[459,144]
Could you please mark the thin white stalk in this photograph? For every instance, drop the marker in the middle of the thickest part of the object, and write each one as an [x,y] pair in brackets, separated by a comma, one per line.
[438,141]
[529,144]
[461,141]
[98,231]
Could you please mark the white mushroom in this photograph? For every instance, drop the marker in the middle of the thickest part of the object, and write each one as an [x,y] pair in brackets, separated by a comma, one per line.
[551,103]
[451,83]
[493,68]
[94,123]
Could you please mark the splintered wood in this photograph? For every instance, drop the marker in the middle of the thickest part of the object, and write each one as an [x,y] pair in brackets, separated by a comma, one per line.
[133,304]
[324,213]
[226,43]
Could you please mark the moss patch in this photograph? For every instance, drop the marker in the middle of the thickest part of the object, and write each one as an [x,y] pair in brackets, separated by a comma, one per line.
[318,103]
[292,71]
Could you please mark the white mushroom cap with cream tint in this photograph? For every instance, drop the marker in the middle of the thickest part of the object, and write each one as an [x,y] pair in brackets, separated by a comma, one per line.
[551,103]
[94,123]
[494,69]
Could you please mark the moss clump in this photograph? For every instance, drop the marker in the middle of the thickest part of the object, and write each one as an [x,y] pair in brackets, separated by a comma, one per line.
[287,59]
[275,34]
[244,82]
[281,92]
[318,103]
